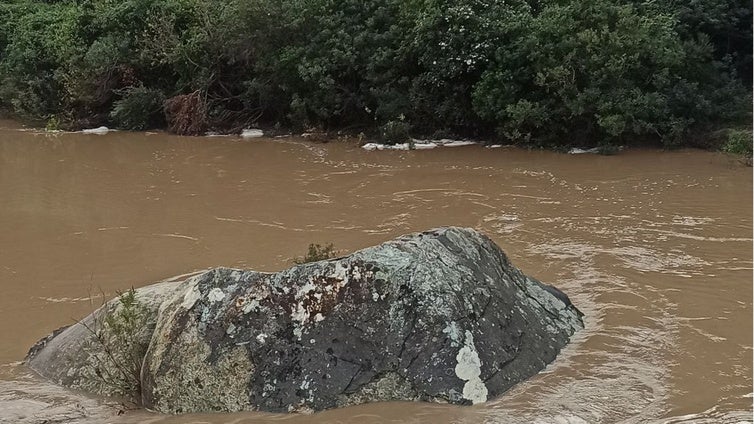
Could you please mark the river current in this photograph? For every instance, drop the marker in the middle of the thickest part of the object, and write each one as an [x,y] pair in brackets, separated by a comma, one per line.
[655,247]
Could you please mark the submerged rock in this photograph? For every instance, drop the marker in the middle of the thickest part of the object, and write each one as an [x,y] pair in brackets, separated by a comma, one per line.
[435,316]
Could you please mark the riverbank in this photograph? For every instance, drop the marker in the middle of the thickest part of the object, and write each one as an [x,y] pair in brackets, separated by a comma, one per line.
[552,73]
[736,142]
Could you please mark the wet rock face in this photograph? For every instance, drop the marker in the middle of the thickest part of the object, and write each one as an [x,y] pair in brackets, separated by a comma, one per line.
[434,316]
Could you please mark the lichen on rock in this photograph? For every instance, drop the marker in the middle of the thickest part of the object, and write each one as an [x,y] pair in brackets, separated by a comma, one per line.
[435,316]
[469,368]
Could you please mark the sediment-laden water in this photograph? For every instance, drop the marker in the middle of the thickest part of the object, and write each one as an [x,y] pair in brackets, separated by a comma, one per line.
[654,247]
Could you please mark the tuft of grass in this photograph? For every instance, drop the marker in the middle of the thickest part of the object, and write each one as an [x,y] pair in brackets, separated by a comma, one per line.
[316,252]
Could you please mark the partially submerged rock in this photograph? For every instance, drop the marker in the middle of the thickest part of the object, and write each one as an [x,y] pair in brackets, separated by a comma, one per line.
[434,316]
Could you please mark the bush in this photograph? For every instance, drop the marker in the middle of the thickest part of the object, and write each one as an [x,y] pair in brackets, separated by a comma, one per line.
[395,132]
[599,72]
[739,142]
[186,114]
[139,108]
[316,253]
[38,41]
[454,42]
[552,72]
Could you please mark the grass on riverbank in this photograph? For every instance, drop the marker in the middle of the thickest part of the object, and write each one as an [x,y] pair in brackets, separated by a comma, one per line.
[739,142]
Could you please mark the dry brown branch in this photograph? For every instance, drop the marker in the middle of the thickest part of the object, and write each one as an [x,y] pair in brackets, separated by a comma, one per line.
[186,114]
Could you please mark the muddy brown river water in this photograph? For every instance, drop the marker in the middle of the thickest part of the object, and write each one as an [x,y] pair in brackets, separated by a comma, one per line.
[654,247]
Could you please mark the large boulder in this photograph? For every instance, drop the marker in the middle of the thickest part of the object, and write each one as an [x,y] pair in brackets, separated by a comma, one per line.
[435,316]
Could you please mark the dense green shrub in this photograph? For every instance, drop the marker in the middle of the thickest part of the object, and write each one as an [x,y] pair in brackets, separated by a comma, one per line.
[726,24]
[139,108]
[333,64]
[593,71]
[395,132]
[553,72]
[454,42]
[739,142]
[39,40]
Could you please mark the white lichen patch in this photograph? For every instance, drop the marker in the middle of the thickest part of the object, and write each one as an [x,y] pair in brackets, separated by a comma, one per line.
[190,297]
[453,332]
[231,329]
[340,273]
[310,297]
[306,288]
[469,368]
[252,300]
[252,305]
[300,314]
[216,295]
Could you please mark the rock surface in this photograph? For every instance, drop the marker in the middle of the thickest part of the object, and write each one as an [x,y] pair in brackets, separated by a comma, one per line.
[435,316]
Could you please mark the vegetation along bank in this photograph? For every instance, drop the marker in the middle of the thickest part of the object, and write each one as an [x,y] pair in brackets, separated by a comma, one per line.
[541,72]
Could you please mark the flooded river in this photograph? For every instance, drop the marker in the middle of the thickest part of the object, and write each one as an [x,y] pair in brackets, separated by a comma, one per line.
[654,247]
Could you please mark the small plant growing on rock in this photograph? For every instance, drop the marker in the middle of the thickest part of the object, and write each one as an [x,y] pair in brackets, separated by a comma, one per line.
[316,252]
[119,344]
